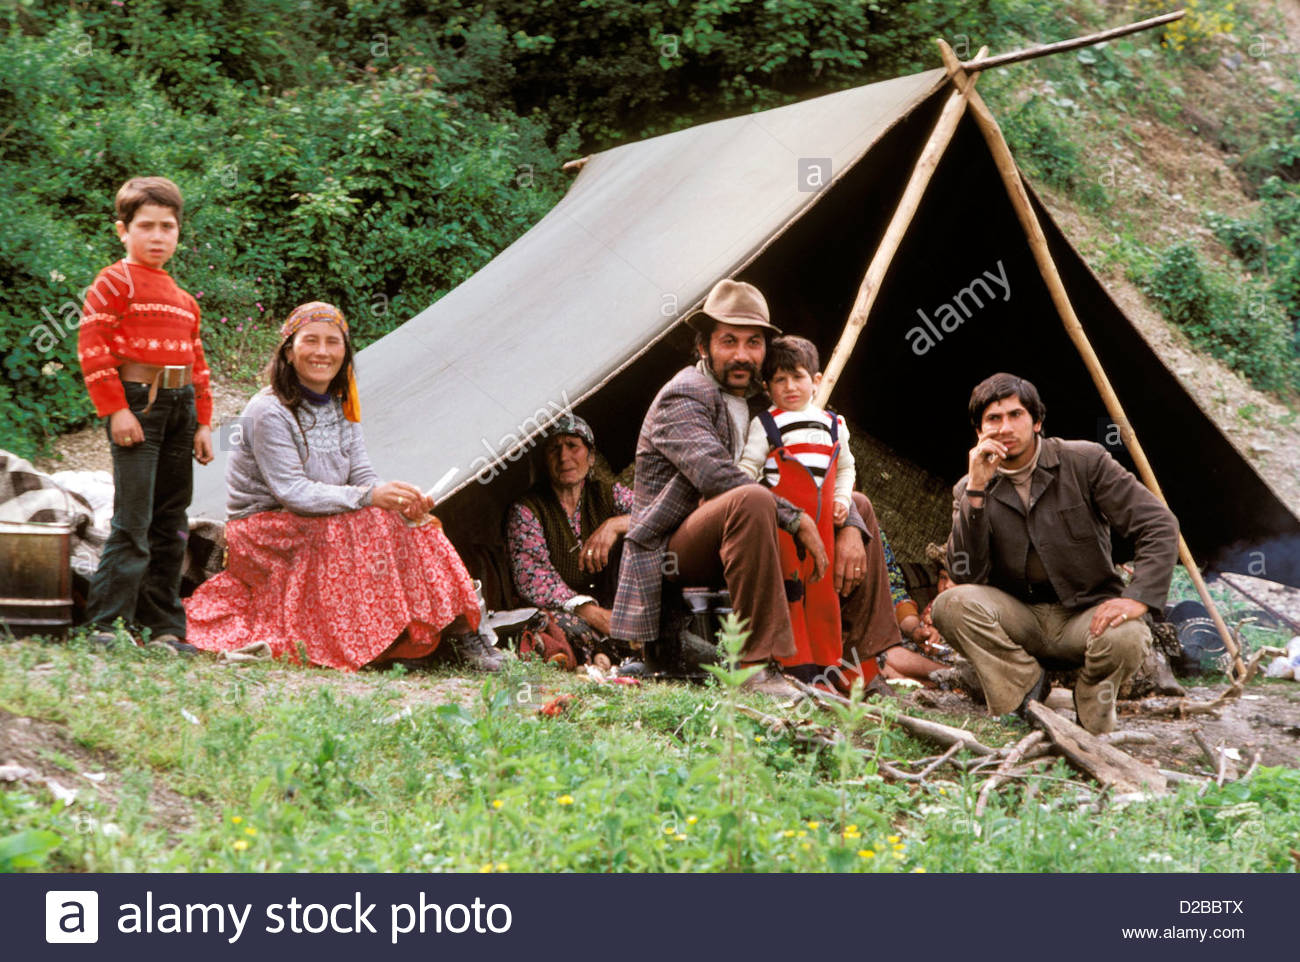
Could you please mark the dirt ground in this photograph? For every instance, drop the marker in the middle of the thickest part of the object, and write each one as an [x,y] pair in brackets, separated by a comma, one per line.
[39,753]
[1265,719]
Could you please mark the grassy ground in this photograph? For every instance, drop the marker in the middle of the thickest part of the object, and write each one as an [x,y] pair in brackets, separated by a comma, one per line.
[271,767]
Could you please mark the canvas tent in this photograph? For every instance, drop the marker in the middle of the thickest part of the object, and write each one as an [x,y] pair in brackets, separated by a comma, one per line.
[585,310]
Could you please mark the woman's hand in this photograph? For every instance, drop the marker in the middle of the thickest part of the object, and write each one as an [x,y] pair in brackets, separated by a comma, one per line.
[406,499]
[595,553]
[596,616]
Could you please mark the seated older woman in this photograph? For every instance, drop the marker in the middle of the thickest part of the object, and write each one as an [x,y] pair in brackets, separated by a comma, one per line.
[324,557]
[563,537]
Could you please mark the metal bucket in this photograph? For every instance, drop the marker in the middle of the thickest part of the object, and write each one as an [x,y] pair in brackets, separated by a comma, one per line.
[35,577]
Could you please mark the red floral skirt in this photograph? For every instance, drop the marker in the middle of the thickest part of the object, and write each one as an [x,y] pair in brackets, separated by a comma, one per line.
[343,586]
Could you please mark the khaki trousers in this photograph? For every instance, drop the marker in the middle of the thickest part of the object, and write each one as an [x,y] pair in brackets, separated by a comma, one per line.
[1003,638]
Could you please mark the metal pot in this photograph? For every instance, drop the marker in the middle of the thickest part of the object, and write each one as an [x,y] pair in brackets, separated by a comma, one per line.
[35,577]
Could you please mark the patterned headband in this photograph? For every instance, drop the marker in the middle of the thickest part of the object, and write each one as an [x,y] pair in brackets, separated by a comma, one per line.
[310,314]
[329,314]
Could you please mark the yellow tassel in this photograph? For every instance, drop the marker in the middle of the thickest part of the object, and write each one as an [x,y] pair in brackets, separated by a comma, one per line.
[352,400]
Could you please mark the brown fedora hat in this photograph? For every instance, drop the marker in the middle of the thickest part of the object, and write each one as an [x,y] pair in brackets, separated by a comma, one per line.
[734,302]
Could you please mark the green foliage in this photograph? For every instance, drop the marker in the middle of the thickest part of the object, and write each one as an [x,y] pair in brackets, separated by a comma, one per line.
[283,768]
[1233,319]
[1034,132]
[1243,237]
[378,193]
[1234,812]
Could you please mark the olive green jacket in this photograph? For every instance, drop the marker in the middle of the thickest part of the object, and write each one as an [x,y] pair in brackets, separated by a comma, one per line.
[1077,494]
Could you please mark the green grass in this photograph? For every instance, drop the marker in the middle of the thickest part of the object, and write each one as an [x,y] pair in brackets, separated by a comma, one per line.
[283,771]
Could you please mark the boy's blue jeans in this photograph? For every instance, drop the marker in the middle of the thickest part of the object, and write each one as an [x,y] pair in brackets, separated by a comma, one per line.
[139,574]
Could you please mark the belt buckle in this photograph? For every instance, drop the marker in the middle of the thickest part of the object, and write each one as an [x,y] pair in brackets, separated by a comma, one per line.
[170,381]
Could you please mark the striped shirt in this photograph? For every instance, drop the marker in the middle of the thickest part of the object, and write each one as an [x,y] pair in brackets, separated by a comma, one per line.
[806,435]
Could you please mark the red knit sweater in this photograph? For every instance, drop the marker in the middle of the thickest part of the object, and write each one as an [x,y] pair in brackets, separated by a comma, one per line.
[138,313]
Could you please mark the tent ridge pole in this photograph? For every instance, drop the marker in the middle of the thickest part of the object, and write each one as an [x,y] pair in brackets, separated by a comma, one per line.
[1046,49]
[922,171]
[1033,229]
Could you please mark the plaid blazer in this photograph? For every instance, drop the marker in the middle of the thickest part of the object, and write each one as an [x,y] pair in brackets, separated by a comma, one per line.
[683,456]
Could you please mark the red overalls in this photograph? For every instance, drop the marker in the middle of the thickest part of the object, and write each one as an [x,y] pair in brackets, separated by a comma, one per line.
[814,608]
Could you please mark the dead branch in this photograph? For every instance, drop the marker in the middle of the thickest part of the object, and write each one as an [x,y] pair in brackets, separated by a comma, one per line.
[1107,764]
[1128,738]
[933,764]
[1181,778]
[1008,764]
[943,735]
[1217,757]
[1254,763]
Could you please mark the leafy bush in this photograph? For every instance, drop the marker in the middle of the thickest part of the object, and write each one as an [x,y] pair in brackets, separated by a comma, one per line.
[1237,321]
[379,194]
[1033,131]
[1241,236]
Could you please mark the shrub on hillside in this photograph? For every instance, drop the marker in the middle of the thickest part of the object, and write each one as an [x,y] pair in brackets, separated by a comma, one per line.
[1237,321]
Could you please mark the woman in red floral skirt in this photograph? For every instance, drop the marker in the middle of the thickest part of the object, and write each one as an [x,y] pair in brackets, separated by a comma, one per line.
[320,552]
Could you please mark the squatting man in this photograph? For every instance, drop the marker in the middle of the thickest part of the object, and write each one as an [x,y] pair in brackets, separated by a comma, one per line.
[1030,551]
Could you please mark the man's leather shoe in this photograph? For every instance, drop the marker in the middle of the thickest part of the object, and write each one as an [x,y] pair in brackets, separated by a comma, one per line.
[769,681]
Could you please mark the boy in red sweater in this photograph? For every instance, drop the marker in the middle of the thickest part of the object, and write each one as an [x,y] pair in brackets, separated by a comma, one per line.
[145,372]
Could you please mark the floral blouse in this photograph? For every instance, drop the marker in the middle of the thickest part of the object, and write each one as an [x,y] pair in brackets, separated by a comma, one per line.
[530,563]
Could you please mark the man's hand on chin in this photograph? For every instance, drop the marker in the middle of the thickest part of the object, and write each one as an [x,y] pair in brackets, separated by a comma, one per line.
[850,560]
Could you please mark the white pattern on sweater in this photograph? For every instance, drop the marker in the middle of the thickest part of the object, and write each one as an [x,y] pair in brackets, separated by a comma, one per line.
[320,468]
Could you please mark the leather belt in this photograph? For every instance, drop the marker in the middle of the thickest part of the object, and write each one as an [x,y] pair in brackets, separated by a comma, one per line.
[156,376]
[1039,593]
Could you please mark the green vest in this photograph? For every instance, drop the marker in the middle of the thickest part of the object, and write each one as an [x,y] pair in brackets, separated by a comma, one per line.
[564,547]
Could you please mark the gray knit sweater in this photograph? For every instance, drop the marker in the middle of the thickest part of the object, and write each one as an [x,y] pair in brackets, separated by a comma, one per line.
[317,469]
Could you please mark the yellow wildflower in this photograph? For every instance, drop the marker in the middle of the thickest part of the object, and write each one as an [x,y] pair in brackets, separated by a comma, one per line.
[485,868]
[249,830]
[920,870]
[235,819]
[680,838]
[788,833]
[805,846]
[866,853]
[497,803]
[814,825]
[240,845]
[893,840]
[565,800]
[692,820]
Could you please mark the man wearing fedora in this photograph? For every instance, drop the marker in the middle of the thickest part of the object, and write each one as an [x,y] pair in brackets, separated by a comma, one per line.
[1030,553]
[698,519]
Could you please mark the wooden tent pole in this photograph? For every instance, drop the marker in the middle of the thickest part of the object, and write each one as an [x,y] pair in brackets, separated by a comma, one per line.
[1010,174]
[923,170]
[1043,50]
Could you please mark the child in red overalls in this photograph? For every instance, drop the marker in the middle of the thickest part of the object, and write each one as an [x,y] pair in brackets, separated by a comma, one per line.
[802,453]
